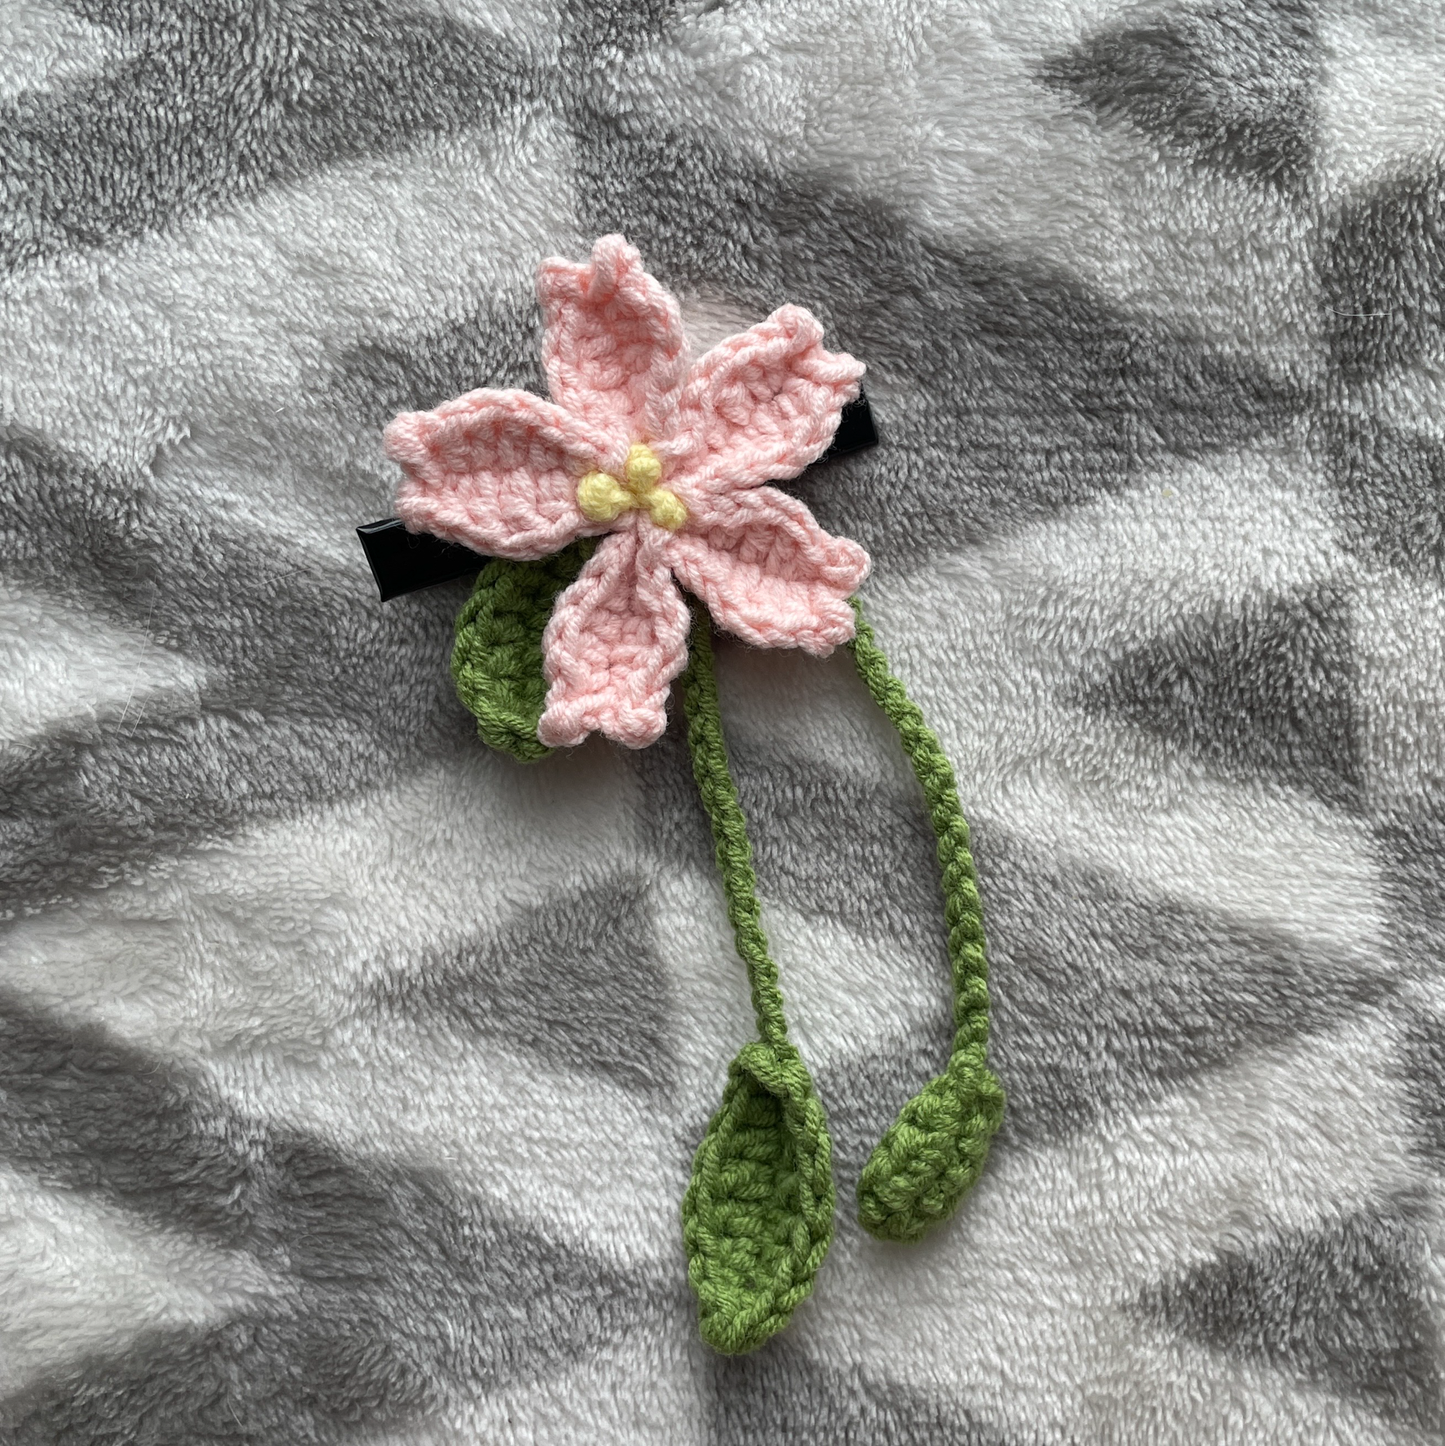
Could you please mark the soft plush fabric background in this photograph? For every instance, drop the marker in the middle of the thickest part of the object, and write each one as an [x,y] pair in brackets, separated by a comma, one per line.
[350,1075]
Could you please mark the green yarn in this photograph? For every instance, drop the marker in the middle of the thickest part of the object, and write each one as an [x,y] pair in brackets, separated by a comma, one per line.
[936,1148]
[497,660]
[757,1218]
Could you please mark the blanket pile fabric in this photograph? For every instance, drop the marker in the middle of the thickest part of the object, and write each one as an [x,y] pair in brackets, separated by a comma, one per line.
[350,1073]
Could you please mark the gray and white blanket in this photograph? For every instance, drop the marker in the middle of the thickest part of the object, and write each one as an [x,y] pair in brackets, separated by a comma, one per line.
[350,1073]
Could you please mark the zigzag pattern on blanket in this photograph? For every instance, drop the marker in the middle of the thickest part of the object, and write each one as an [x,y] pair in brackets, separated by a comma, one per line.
[1149,298]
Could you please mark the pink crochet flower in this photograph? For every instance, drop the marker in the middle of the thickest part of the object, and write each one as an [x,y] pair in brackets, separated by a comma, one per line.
[665,457]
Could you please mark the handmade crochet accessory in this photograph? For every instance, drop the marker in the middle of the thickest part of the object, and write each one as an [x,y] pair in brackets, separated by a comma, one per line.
[644,471]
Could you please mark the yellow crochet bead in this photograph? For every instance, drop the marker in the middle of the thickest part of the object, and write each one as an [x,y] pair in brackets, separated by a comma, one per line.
[665,508]
[642,471]
[602,497]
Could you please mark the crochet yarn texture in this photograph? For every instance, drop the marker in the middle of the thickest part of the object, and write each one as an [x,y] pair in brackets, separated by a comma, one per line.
[667,460]
[644,471]
[936,1148]
[497,657]
[757,1218]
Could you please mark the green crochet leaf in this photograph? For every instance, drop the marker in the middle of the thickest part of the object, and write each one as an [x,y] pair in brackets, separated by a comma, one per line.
[936,1148]
[757,1218]
[933,1152]
[497,660]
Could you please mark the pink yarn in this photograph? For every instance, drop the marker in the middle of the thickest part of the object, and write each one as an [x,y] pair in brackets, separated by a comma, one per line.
[499,472]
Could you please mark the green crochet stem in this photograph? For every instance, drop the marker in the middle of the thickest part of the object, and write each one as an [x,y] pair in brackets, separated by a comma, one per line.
[730,832]
[936,1148]
[757,1218]
[758,1215]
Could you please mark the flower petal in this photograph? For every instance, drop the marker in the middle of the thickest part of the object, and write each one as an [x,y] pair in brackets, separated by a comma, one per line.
[768,572]
[617,639]
[495,471]
[759,406]
[614,349]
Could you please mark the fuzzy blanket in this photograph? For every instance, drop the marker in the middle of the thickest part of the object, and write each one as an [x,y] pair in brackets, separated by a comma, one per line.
[350,1073]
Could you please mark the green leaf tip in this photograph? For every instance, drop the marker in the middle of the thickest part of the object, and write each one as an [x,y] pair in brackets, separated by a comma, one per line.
[497,659]
[757,1218]
[931,1154]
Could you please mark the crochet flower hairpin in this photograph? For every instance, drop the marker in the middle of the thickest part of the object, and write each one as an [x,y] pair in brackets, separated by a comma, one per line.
[644,471]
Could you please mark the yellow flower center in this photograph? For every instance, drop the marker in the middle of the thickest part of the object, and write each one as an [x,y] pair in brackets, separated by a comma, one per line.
[603,498]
